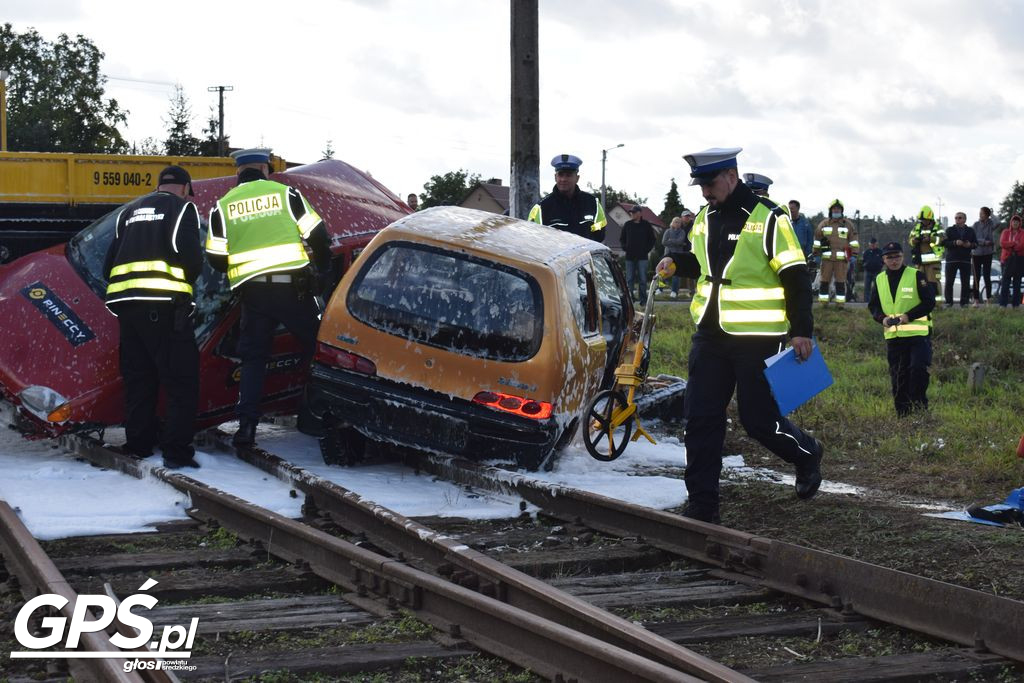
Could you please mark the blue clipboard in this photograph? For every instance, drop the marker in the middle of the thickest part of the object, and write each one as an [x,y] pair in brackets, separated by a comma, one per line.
[795,383]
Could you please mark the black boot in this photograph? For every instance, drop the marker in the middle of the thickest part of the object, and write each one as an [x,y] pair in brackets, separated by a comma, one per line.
[808,474]
[246,434]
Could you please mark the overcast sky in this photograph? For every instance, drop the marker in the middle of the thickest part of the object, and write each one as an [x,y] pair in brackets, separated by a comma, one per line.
[886,105]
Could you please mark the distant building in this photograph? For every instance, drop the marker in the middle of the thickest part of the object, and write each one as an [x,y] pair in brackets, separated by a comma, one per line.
[489,195]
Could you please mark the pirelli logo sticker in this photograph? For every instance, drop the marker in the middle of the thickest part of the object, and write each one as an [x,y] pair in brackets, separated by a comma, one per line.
[58,313]
[254,207]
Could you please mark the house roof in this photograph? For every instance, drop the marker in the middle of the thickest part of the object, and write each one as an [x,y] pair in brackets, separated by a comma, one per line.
[648,215]
[496,191]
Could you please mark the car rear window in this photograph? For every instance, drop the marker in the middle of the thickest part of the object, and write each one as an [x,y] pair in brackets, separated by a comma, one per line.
[449,300]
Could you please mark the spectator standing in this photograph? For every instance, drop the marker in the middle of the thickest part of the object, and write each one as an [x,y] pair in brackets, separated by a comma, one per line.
[958,242]
[872,260]
[676,241]
[413,201]
[981,256]
[1012,242]
[637,240]
[902,303]
[803,229]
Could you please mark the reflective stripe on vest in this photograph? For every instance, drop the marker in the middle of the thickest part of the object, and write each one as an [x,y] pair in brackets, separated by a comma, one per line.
[906,298]
[263,260]
[754,302]
[162,277]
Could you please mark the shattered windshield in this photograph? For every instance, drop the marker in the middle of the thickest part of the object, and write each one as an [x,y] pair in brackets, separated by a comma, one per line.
[87,252]
[450,300]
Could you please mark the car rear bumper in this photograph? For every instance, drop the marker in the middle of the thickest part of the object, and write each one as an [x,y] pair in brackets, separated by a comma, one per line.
[391,412]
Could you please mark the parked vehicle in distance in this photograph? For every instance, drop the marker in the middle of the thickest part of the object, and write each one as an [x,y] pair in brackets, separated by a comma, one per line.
[997,279]
[59,353]
[469,333]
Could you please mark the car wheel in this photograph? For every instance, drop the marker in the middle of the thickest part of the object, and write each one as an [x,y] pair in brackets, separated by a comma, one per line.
[341,445]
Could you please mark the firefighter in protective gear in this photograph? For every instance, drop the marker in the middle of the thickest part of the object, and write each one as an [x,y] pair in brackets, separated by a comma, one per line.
[902,301]
[926,240]
[568,207]
[752,291]
[258,235]
[151,267]
[832,237]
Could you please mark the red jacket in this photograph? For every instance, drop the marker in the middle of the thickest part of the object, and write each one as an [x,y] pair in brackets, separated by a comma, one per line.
[1012,241]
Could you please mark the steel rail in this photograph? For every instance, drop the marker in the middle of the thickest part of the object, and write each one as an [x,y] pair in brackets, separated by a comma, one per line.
[955,613]
[37,575]
[541,645]
[473,569]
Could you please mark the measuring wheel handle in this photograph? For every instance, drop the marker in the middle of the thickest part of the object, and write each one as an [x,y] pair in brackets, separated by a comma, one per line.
[605,440]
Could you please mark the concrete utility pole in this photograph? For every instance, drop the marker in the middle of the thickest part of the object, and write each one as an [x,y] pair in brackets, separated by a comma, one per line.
[524,189]
[604,157]
[4,73]
[221,142]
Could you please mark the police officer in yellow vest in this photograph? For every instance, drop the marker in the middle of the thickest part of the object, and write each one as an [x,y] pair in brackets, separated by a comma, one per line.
[831,239]
[902,301]
[752,290]
[151,267]
[258,232]
[926,240]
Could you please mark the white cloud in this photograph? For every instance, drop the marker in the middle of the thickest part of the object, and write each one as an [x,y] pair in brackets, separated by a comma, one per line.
[887,105]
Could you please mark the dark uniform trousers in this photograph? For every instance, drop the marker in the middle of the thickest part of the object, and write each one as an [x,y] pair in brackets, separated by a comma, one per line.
[158,350]
[718,364]
[264,306]
[909,359]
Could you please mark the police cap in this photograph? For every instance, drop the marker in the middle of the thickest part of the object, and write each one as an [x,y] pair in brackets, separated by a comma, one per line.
[255,155]
[566,162]
[892,248]
[704,166]
[756,181]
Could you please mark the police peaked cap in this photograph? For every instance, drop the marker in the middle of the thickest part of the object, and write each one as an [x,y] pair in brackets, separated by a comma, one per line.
[756,181]
[255,155]
[705,165]
[566,162]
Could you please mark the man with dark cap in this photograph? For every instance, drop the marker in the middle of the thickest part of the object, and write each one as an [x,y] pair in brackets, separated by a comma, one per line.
[902,303]
[151,267]
[568,207]
[873,264]
[752,290]
[637,239]
[258,236]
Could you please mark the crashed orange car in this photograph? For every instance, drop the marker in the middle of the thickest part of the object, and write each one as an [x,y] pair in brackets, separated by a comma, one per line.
[469,333]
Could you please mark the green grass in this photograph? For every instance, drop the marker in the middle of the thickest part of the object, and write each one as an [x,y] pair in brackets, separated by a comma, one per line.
[963,448]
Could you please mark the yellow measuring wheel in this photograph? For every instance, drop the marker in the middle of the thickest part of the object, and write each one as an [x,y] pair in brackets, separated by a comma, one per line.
[611,414]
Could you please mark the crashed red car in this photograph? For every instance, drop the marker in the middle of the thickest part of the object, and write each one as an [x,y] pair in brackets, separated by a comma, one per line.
[59,353]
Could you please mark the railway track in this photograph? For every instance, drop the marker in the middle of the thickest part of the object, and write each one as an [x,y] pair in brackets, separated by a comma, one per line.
[566,628]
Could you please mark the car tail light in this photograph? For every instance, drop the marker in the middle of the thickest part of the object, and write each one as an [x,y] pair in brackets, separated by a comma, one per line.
[339,358]
[517,405]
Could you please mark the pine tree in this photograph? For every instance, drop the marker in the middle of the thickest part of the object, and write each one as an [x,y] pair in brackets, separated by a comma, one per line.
[1013,204]
[328,152]
[673,204]
[180,142]
[209,146]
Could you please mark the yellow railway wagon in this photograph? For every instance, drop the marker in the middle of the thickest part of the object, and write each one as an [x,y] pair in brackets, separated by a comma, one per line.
[47,197]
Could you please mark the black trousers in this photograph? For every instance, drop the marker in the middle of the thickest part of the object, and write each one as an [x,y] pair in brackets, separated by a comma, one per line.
[718,365]
[264,306]
[869,283]
[964,269]
[158,351]
[909,360]
[982,269]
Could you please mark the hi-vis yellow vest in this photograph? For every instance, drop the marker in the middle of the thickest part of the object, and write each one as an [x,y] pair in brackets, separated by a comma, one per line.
[906,298]
[751,300]
[261,235]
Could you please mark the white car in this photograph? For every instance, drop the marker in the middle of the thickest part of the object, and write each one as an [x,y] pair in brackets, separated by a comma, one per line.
[997,272]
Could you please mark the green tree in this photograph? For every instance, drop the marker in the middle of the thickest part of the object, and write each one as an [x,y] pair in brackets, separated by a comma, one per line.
[613,196]
[447,189]
[328,152]
[673,204]
[180,142]
[209,145]
[1013,204]
[55,98]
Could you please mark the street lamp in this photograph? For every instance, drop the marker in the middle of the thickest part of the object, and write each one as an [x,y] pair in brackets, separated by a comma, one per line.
[604,157]
[4,73]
